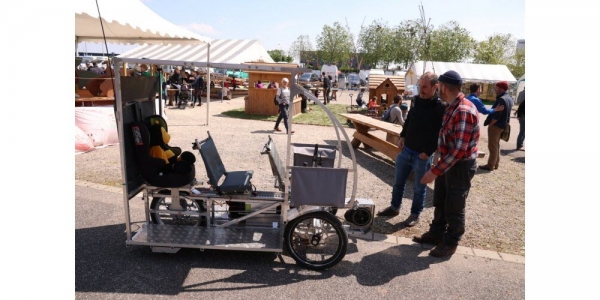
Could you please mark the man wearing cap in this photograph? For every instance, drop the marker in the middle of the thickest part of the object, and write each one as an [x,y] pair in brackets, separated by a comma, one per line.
[457,146]
[474,97]
[496,123]
[418,142]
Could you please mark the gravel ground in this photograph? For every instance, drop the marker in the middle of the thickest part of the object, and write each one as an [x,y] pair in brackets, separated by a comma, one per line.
[495,213]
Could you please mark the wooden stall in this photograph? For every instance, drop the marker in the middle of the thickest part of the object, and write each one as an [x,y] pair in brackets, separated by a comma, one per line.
[385,86]
[260,101]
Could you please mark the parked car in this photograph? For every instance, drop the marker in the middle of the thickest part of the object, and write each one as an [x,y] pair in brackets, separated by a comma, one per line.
[354,81]
[309,78]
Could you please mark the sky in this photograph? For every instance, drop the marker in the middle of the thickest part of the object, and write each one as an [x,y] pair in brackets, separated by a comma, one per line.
[277,24]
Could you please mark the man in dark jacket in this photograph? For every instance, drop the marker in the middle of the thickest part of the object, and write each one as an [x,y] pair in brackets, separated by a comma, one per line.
[496,123]
[418,141]
[520,113]
[326,88]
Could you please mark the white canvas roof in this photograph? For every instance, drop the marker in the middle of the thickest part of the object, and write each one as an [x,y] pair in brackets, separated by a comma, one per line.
[127,22]
[221,51]
[468,72]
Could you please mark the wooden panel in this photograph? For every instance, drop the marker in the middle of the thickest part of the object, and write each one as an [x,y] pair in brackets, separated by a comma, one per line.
[380,145]
[391,128]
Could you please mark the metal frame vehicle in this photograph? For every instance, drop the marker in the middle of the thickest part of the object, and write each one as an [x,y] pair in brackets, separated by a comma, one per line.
[230,214]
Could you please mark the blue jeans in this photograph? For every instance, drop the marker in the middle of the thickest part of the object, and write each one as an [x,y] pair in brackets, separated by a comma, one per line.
[406,161]
[283,115]
[521,137]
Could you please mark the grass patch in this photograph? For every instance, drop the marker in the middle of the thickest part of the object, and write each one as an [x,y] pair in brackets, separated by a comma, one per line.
[316,116]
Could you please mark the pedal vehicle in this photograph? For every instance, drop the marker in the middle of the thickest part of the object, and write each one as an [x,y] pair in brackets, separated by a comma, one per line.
[227,212]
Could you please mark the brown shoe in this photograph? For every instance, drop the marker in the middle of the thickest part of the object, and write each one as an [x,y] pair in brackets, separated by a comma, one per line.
[388,212]
[487,167]
[443,250]
[428,238]
[277,129]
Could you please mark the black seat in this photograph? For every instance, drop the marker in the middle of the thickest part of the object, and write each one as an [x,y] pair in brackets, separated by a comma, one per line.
[156,171]
[237,182]
[277,167]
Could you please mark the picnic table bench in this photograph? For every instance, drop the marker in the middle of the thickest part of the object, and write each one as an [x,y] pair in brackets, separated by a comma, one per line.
[364,124]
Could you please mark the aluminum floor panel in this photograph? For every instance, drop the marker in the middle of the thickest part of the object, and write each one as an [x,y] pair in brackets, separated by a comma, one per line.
[228,238]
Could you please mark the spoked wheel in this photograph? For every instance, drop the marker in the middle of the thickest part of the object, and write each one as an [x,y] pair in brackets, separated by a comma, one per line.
[163,216]
[316,240]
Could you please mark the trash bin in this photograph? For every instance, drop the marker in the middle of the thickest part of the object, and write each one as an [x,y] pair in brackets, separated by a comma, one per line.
[304,153]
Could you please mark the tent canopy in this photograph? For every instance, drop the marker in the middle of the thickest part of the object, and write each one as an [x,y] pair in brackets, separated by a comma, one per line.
[468,72]
[127,22]
[221,51]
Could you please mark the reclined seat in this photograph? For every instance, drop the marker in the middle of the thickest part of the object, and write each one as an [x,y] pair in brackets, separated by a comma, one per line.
[156,171]
[237,182]
[277,167]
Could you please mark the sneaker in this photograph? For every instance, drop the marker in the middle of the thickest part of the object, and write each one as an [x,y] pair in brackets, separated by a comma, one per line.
[428,238]
[388,212]
[411,221]
[443,250]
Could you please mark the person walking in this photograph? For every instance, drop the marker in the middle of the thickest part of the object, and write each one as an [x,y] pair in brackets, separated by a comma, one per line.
[520,113]
[496,123]
[457,145]
[283,96]
[326,88]
[418,142]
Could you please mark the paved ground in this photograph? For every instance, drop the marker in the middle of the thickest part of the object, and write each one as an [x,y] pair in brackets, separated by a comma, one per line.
[375,266]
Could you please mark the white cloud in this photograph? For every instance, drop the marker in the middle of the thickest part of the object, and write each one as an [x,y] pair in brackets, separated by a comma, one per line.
[203,29]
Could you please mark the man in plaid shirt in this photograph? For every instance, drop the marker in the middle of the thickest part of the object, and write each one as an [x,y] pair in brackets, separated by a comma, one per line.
[457,146]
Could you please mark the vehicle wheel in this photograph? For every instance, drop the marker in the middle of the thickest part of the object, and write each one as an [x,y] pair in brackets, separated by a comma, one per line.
[164,217]
[316,241]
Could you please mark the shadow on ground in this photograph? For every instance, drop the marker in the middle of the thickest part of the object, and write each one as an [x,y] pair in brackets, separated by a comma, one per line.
[104,264]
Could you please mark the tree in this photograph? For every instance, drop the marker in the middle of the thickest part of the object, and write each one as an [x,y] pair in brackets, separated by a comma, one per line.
[377,43]
[300,46]
[334,44]
[497,49]
[517,66]
[277,55]
[406,40]
[449,43]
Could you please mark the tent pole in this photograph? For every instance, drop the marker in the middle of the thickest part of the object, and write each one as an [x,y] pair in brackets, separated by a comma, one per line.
[207,83]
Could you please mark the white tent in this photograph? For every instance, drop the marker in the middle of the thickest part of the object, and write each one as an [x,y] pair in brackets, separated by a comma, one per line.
[468,72]
[126,22]
[221,51]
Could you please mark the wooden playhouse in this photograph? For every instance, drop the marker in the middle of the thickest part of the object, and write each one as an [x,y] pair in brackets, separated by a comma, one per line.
[385,87]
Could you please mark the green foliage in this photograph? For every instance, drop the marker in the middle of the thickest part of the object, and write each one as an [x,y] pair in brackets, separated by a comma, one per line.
[301,45]
[406,42]
[498,49]
[449,43]
[349,70]
[278,55]
[316,116]
[517,65]
[334,44]
[377,44]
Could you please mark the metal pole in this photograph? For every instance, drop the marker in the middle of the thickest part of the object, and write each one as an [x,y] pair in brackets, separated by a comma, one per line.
[207,84]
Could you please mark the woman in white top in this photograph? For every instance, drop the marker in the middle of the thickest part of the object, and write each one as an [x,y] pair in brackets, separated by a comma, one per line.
[283,96]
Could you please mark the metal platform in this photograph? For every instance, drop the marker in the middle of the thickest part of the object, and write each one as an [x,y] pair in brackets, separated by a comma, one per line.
[223,238]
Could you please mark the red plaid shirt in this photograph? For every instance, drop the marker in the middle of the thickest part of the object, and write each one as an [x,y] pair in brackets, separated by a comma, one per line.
[459,135]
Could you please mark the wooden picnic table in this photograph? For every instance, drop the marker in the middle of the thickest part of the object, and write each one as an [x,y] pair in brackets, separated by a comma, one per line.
[94,101]
[364,124]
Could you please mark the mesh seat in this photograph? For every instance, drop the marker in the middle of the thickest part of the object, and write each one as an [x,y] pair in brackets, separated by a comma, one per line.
[277,167]
[237,182]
